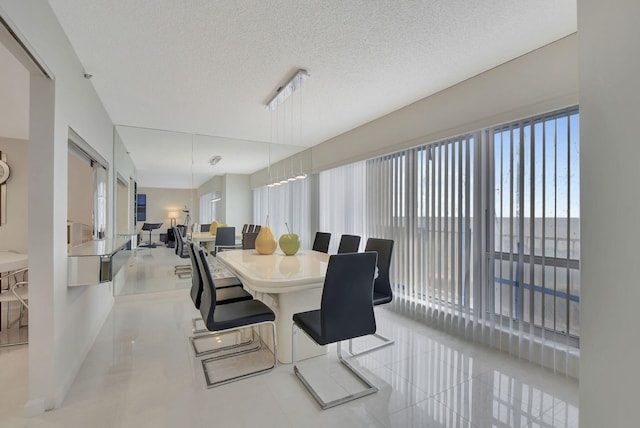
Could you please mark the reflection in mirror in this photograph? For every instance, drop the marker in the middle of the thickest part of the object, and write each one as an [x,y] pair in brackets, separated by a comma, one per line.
[202,178]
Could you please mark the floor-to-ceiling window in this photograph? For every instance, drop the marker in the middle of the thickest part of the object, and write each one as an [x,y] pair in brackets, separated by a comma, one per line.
[486,231]
[536,226]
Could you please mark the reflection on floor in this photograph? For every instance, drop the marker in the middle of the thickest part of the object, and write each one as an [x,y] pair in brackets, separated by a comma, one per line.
[151,270]
[141,372]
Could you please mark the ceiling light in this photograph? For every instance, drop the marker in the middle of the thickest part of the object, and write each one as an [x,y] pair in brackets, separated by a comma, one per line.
[214,160]
[216,199]
[287,89]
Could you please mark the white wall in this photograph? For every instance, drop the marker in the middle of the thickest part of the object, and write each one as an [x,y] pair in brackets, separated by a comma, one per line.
[14,234]
[237,200]
[63,322]
[123,165]
[14,97]
[610,209]
[159,202]
[236,206]
[213,185]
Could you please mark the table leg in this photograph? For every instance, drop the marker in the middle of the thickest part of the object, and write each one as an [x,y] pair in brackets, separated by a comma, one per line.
[285,305]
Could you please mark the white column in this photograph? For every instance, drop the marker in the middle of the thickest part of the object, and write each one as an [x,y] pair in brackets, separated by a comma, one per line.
[610,211]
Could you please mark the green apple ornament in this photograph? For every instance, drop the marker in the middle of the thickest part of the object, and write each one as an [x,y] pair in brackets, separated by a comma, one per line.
[289,242]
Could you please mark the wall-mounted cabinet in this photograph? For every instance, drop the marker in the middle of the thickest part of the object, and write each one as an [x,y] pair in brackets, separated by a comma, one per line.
[97,261]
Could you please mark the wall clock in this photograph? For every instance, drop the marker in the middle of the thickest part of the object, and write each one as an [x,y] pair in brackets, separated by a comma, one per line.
[4,172]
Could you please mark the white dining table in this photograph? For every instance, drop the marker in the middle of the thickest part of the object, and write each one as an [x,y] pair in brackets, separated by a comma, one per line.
[199,237]
[11,260]
[288,285]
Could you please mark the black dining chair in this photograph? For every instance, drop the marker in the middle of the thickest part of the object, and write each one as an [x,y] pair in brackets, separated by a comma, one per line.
[321,242]
[15,291]
[225,239]
[249,240]
[382,292]
[182,271]
[244,228]
[221,282]
[349,244]
[205,227]
[230,318]
[346,312]
[224,294]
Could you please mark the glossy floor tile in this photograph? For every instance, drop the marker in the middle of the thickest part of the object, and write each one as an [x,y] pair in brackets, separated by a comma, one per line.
[151,270]
[141,372]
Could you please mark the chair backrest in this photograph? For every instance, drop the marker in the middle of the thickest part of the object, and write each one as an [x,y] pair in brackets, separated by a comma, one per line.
[249,240]
[226,236]
[383,247]
[208,297]
[179,242]
[205,227]
[175,238]
[349,244]
[196,276]
[182,250]
[321,242]
[256,228]
[250,228]
[346,309]
[244,228]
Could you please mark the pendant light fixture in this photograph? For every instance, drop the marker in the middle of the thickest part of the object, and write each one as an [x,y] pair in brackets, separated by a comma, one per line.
[282,94]
[286,90]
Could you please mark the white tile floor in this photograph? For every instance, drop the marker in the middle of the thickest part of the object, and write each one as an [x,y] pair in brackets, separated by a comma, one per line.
[141,373]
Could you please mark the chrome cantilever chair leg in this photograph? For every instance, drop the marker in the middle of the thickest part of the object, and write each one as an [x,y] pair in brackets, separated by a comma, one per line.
[370,387]
[385,342]
[220,337]
[211,383]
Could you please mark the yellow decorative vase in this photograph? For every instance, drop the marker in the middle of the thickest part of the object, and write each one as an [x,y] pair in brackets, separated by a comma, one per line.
[265,242]
[214,227]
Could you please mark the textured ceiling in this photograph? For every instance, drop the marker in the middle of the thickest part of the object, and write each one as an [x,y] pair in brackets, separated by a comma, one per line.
[207,67]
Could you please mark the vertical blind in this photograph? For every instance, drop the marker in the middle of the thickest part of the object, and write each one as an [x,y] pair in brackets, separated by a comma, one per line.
[534,262]
[207,208]
[99,200]
[290,203]
[486,230]
[342,202]
[422,198]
